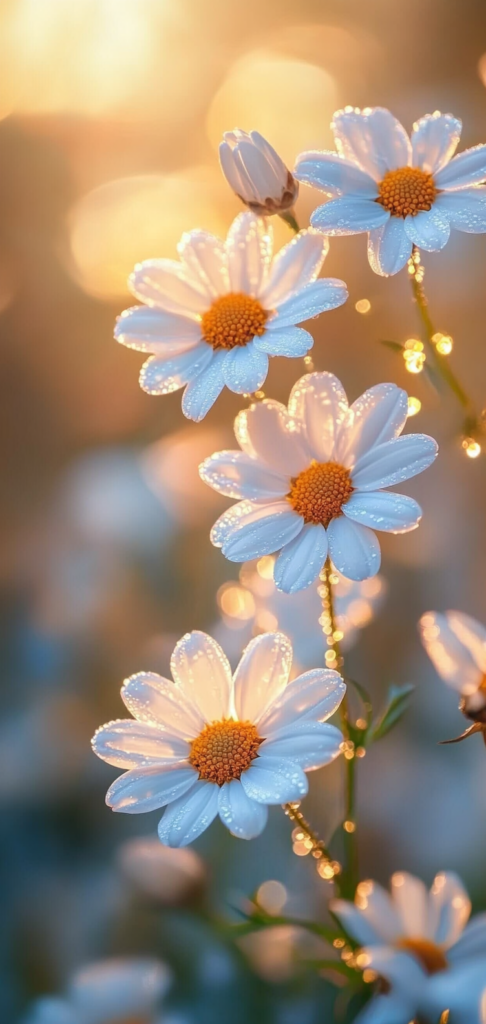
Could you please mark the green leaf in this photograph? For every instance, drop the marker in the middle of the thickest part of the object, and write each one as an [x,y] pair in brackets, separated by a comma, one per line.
[398,700]
[396,346]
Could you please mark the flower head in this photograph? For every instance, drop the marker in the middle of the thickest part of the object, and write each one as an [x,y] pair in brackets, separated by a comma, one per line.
[214,318]
[209,744]
[420,943]
[256,173]
[456,644]
[311,478]
[402,191]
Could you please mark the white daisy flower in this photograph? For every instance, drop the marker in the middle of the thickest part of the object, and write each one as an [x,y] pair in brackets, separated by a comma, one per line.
[209,744]
[311,478]
[421,944]
[214,318]
[402,191]
[256,173]
[456,644]
[108,992]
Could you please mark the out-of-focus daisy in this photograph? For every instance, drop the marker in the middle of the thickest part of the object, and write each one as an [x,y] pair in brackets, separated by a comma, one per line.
[256,173]
[216,316]
[209,744]
[172,877]
[311,478]
[420,943]
[108,992]
[456,644]
[402,191]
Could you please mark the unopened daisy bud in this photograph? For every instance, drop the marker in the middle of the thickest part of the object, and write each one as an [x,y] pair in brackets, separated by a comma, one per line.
[256,173]
[172,877]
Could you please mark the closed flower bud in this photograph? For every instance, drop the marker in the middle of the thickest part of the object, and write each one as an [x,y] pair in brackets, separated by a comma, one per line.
[256,173]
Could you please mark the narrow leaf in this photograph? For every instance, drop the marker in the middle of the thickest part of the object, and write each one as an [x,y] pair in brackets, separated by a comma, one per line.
[398,700]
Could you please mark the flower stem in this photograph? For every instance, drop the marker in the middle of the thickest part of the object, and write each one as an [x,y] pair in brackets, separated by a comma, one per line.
[304,835]
[291,220]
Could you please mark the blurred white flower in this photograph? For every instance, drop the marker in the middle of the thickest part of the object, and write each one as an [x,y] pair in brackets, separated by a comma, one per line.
[209,744]
[456,644]
[108,992]
[421,944]
[311,478]
[173,877]
[256,173]
[213,318]
[402,192]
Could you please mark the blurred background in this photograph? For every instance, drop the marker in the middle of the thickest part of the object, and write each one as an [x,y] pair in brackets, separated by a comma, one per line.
[111,112]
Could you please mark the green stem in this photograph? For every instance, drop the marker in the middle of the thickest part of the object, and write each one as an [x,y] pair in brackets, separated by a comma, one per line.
[290,219]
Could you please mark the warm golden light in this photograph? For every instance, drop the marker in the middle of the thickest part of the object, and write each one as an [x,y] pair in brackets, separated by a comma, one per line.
[443,343]
[272,896]
[414,355]
[414,405]
[236,602]
[471,447]
[363,306]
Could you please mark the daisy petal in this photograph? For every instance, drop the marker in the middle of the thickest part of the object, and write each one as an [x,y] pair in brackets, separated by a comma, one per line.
[161,376]
[319,399]
[327,293]
[153,699]
[169,285]
[354,549]
[429,229]
[238,475]
[389,247]
[349,216]
[383,510]
[262,675]
[374,140]
[230,168]
[230,519]
[151,330]
[47,1010]
[202,392]
[469,168]
[147,789]
[242,816]
[313,696]
[284,341]
[472,634]
[464,209]
[334,175]
[309,744]
[274,780]
[399,969]
[297,264]
[249,249]
[132,744]
[109,990]
[391,463]
[452,907]
[472,943]
[203,673]
[189,816]
[379,415]
[262,532]
[274,436]
[411,901]
[434,141]
[359,926]
[381,913]
[205,257]
[451,658]
[300,562]
[245,369]
[389,1009]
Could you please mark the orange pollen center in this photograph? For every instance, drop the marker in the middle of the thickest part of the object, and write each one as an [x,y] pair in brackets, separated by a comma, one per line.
[407,191]
[224,750]
[431,957]
[320,491]
[232,320]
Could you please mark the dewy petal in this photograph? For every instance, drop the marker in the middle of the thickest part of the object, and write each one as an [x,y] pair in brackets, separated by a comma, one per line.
[389,247]
[202,392]
[349,216]
[313,696]
[245,369]
[301,560]
[161,376]
[152,330]
[249,249]
[411,900]
[296,265]
[153,699]
[230,168]
[132,744]
[189,816]
[242,816]
[284,341]
[238,475]
[202,671]
[380,912]
[205,257]
[262,532]
[451,658]
[319,400]
[334,175]
[275,437]
[469,168]
[271,155]
[327,293]
[399,969]
[429,229]
[354,549]
[263,179]
[464,209]
[308,744]
[373,139]
[379,415]
[361,927]
[391,463]
[452,908]
[169,285]
[230,519]
[434,141]
[470,633]
[262,675]
[147,789]
[472,943]
[274,780]
[383,510]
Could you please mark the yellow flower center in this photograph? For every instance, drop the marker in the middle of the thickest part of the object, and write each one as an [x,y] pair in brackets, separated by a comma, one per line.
[320,491]
[232,320]
[431,957]
[407,191]
[224,750]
